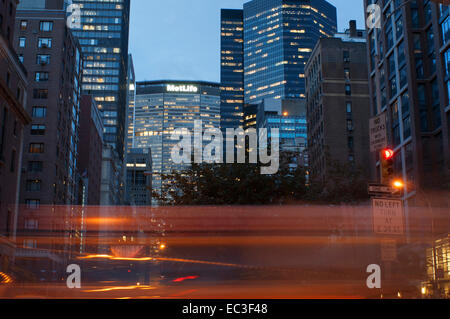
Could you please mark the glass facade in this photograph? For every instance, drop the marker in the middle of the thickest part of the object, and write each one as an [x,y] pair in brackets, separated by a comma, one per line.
[232,69]
[417,96]
[279,36]
[158,112]
[289,117]
[131,85]
[104,40]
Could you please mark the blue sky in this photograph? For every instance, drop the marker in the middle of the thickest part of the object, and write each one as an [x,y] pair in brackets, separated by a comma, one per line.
[180,39]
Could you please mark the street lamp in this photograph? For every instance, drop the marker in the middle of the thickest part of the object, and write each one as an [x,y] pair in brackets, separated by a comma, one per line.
[398,184]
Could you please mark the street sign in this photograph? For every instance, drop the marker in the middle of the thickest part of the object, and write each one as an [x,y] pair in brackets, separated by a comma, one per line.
[388,250]
[377,189]
[388,216]
[378,132]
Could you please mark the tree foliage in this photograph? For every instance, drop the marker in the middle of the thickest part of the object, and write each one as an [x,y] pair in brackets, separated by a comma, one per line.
[243,184]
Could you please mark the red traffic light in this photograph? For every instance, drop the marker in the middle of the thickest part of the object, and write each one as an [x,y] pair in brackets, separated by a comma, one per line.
[387,154]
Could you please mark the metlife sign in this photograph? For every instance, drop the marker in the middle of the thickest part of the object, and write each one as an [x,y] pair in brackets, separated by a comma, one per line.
[378,132]
[175,88]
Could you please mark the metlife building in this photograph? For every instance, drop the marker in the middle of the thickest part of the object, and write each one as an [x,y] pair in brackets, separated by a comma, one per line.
[164,106]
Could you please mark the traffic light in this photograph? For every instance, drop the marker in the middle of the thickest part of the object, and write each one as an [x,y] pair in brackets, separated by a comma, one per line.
[387,166]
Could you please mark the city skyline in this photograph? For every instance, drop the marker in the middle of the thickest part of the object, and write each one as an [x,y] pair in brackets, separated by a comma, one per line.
[181,53]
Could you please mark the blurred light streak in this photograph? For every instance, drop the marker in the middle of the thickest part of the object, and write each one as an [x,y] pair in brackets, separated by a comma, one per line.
[141,287]
[185,278]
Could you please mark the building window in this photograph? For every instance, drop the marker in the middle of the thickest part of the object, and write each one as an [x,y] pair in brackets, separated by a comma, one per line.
[41,76]
[44,43]
[395,124]
[43,59]
[401,54]
[35,166]
[349,125]
[430,40]
[39,111]
[37,129]
[40,94]
[20,56]
[419,67]
[33,185]
[23,25]
[347,73]
[36,148]
[415,18]
[46,26]
[349,107]
[348,89]
[389,38]
[350,143]
[31,224]
[346,54]
[22,42]
[403,76]
[30,243]
[405,104]
[399,27]
[393,87]
[33,203]
[406,127]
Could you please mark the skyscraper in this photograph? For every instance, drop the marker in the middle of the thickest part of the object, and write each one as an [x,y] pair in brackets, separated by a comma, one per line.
[131,89]
[279,36]
[104,40]
[409,68]
[163,106]
[232,69]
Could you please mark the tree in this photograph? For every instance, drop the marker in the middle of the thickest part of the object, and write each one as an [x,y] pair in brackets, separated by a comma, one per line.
[233,184]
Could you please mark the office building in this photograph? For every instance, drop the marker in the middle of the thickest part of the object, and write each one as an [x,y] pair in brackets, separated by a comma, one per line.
[90,152]
[139,177]
[409,69]
[131,85]
[103,37]
[289,117]
[279,36]
[250,112]
[53,60]
[104,40]
[337,103]
[163,106]
[13,119]
[232,69]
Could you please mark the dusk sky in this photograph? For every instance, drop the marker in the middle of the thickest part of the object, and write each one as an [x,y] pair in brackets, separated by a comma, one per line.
[180,39]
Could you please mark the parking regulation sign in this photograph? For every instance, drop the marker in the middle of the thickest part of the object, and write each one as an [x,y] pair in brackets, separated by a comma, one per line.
[378,132]
[388,216]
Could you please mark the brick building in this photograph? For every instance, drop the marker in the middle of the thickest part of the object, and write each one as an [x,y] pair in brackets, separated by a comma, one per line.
[13,118]
[337,102]
[53,60]
[90,152]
